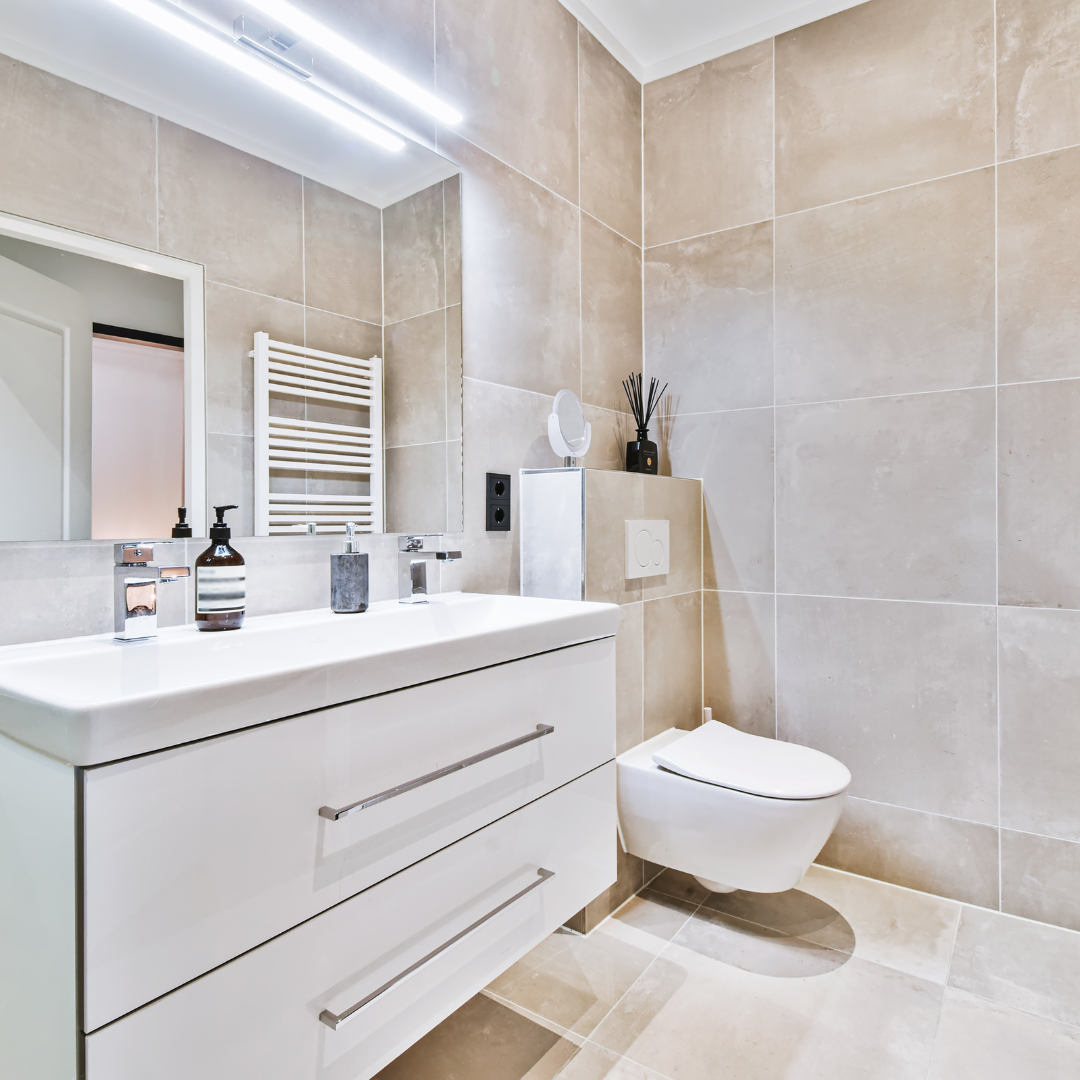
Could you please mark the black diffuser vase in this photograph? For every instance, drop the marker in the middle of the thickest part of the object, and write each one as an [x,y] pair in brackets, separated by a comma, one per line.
[642,455]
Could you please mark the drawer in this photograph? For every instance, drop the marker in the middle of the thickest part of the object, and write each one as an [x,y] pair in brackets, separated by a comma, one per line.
[259,1017]
[197,854]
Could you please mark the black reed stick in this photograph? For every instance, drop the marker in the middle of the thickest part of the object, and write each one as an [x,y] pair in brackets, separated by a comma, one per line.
[643,410]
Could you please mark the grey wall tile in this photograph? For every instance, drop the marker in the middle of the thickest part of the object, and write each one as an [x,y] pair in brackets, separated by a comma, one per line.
[1040,738]
[1039,504]
[888,497]
[336,333]
[672,663]
[611,498]
[630,675]
[453,372]
[415,367]
[452,226]
[230,479]
[957,859]
[709,319]
[1038,263]
[414,255]
[708,146]
[891,293]
[883,94]
[903,694]
[678,502]
[416,488]
[1040,878]
[739,658]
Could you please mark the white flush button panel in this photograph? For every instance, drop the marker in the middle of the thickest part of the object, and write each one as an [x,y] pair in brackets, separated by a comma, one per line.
[647,548]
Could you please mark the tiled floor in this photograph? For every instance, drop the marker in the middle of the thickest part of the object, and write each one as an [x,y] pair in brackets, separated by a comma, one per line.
[843,978]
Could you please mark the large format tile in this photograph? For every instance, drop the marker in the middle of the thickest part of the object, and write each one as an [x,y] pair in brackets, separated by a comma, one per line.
[1038,76]
[335,333]
[239,215]
[940,855]
[904,694]
[888,497]
[732,452]
[610,143]
[342,254]
[978,1040]
[630,678]
[630,878]
[1038,264]
[1039,501]
[678,502]
[672,663]
[512,70]
[888,294]
[1040,738]
[521,309]
[74,157]
[415,372]
[230,478]
[611,498]
[1018,963]
[709,319]
[416,488]
[740,660]
[881,95]
[414,255]
[593,1062]
[610,313]
[708,146]
[1040,878]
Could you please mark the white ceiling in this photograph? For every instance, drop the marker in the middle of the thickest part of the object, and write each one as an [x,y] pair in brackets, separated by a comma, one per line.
[654,38]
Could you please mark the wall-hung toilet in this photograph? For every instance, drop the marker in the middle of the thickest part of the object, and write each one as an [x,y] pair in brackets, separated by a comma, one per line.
[736,811]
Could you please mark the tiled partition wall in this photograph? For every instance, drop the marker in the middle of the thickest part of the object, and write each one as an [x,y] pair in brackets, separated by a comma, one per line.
[862,273]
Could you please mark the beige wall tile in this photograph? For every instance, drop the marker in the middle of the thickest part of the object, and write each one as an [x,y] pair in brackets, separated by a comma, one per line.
[1038,264]
[708,146]
[232,318]
[453,372]
[74,157]
[415,367]
[454,506]
[610,313]
[888,294]
[230,463]
[1040,739]
[342,254]
[1040,878]
[610,499]
[336,333]
[610,145]
[629,685]
[521,296]
[739,659]
[608,447]
[733,454]
[672,663]
[630,880]
[957,859]
[416,489]
[903,694]
[883,94]
[414,255]
[452,226]
[1039,456]
[512,70]
[239,215]
[679,503]
[1038,76]
[709,319]
[889,497]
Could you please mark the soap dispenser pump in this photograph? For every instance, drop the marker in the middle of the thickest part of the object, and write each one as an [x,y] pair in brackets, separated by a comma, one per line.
[349,576]
[182,528]
[220,580]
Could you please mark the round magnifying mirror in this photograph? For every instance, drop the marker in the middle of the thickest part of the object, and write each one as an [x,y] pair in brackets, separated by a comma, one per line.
[568,431]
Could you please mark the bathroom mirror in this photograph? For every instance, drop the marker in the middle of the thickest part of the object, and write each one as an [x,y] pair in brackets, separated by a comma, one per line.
[568,431]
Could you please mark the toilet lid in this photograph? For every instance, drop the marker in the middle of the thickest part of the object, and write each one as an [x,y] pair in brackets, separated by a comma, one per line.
[721,755]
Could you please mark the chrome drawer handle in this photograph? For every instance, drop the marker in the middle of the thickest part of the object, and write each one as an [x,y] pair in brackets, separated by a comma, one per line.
[336,814]
[335,1020]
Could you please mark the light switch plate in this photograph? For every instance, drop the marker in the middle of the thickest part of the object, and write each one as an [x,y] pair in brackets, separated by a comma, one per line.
[648,551]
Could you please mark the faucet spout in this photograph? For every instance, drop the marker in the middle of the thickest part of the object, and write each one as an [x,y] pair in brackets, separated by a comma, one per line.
[414,554]
[135,583]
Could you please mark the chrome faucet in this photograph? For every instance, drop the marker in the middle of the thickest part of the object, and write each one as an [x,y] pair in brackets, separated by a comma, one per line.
[135,584]
[414,554]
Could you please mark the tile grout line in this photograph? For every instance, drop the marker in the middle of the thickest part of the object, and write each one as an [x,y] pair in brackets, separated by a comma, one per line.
[775,483]
[997,469]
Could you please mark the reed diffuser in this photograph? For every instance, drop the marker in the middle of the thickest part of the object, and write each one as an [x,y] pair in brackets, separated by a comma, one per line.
[642,455]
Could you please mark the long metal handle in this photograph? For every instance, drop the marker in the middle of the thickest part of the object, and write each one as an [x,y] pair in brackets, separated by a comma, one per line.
[336,814]
[335,1020]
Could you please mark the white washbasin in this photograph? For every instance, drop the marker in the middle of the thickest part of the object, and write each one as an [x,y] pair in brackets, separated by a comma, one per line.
[89,700]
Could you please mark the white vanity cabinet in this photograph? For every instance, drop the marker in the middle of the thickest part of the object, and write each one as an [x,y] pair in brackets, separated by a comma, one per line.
[309,895]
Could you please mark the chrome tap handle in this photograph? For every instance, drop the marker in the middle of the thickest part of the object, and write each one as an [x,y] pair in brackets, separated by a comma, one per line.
[414,552]
[135,583]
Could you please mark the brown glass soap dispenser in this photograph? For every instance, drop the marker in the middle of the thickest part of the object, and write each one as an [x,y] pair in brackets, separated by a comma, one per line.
[220,580]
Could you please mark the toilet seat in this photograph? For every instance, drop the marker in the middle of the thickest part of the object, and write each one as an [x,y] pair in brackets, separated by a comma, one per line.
[726,757]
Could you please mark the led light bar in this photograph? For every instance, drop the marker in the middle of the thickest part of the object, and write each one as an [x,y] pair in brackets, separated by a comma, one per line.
[315,34]
[228,52]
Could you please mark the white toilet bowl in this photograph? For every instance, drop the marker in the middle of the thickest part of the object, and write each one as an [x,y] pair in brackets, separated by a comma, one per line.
[737,811]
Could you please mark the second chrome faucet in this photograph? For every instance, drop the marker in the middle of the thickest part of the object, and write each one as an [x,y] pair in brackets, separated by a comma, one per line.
[414,554]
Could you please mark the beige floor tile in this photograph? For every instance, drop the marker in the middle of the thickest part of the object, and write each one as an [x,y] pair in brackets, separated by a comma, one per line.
[595,1063]
[680,885]
[655,914]
[978,1040]
[898,928]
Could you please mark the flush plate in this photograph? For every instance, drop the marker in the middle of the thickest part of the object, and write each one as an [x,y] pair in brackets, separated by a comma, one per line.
[648,549]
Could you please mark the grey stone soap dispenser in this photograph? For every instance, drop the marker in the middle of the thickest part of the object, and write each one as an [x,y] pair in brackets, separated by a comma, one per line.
[349,576]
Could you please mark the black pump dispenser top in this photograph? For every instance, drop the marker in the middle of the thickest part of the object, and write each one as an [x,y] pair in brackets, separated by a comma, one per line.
[219,530]
[181,528]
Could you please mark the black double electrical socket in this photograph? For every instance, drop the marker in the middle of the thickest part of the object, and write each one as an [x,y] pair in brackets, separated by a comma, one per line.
[498,502]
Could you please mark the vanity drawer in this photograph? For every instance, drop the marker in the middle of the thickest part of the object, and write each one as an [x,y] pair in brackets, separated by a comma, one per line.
[197,854]
[258,1017]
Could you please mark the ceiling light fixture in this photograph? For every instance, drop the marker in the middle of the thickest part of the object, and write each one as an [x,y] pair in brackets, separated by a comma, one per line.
[315,34]
[228,52]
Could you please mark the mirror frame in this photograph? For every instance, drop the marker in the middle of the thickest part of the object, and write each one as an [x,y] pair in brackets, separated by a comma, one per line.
[193,275]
